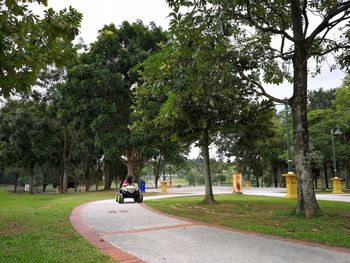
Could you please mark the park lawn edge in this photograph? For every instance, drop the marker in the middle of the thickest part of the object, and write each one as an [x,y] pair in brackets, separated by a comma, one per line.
[36,228]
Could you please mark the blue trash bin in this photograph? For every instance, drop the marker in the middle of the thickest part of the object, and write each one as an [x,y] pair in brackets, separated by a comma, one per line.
[142,186]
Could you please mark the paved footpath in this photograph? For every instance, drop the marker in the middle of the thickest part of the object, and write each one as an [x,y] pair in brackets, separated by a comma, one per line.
[132,233]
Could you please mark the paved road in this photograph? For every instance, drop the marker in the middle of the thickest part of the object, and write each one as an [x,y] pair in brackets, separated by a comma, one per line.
[276,192]
[154,237]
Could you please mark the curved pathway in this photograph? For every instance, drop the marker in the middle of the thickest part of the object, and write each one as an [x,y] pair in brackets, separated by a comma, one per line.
[132,233]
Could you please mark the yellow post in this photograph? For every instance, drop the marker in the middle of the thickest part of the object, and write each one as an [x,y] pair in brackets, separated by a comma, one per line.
[164,187]
[171,183]
[237,183]
[337,185]
[291,182]
[247,183]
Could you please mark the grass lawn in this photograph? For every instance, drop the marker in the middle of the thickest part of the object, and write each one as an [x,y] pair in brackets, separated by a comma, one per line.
[268,215]
[36,228]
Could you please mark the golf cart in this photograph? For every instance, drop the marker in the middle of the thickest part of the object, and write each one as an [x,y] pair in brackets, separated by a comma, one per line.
[129,191]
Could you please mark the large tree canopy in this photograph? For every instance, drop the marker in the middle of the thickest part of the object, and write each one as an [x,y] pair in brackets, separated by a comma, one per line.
[192,91]
[101,85]
[28,43]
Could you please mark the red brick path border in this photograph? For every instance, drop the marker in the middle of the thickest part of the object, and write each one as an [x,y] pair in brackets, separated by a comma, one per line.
[95,239]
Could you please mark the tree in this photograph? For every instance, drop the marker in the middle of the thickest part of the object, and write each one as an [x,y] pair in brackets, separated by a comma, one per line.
[322,120]
[194,88]
[320,99]
[101,84]
[29,43]
[289,23]
[274,149]
[247,138]
[19,125]
[46,137]
[9,158]
[342,116]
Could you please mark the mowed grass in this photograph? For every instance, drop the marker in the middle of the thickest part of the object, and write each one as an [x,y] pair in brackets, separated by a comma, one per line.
[36,228]
[267,215]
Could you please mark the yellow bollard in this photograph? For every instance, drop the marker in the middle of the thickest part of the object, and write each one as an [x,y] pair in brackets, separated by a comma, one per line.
[171,183]
[237,183]
[291,182]
[247,184]
[337,185]
[164,187]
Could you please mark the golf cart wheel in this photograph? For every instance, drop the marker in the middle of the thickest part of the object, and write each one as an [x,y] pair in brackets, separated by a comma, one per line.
[121,198]
[136,198]
[140,198]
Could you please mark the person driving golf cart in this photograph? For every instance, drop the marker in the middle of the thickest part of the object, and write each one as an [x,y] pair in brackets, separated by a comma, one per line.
[127,181]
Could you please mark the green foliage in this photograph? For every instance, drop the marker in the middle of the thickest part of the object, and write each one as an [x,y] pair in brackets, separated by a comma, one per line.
[100,89]
[320,99]
[251,136]
[29,43]
[322,120]
[29,135]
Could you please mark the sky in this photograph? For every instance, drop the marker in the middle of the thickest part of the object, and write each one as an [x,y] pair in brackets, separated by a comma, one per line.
[97,13]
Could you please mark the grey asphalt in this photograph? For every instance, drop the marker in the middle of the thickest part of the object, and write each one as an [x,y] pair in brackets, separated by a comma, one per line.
[155,237]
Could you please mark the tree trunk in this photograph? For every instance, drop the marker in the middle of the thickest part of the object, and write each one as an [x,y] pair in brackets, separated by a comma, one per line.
[75,183]
[275,175]
[65,176]
[130,167]
[87,184]
[307,203]
[347,174]
[66,157]
[106,172]
[112,169]
[281,181]
[322,180]
[326,174]
[156,182]
[209,197]
[87,176]
[96,184]
[16,181]
[157,165]
[67,154]
[106,181]
[44,178]
[132,158]
[31,185]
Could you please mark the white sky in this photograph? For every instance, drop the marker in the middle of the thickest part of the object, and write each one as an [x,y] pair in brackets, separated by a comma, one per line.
[97,13]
